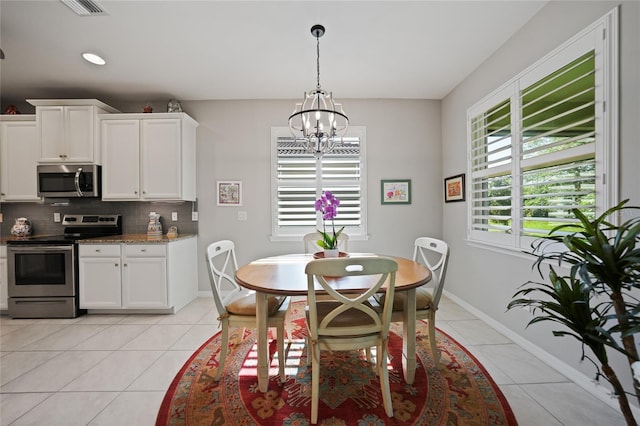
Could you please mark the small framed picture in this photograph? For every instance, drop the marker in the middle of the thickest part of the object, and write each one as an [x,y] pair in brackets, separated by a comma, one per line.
[454,188]
[229,192]
[396,191]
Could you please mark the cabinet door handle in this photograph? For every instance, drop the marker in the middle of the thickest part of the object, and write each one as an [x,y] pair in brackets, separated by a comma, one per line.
[135,192]
[143,250]
[97,250]
[116,265]
[125,265]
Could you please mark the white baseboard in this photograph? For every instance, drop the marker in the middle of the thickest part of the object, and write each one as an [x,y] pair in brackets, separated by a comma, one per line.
[601,392]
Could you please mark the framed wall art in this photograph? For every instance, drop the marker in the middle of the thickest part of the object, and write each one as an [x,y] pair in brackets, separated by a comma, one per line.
[229,193]
[395,191]
[454,188]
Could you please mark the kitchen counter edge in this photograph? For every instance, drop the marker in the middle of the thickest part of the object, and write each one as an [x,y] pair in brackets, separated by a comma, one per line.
[134,238]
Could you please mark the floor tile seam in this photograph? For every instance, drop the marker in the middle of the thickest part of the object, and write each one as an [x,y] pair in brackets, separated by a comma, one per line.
[86,338]
[137,317]
[52,394]
[60,353]
[540,404]
[172,347]
[105,407]
[122,345]
[112,390]
[37,340]
[144,371]
[531,398]
[74,378]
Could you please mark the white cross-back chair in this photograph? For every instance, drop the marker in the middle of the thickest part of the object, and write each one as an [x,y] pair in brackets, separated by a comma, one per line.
[347,321]
[236,305]
[434,254]
[311,242]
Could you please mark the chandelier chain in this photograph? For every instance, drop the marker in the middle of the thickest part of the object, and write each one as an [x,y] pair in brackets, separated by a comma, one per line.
[318,60]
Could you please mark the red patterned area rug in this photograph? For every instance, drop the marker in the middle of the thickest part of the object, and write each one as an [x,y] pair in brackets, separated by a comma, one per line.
[461,392]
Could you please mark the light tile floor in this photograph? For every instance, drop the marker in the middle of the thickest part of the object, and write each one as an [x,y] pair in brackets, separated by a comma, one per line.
[114,369]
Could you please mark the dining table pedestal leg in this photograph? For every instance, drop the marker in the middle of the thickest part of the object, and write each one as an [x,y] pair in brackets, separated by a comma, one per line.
[409,337]
[263,352]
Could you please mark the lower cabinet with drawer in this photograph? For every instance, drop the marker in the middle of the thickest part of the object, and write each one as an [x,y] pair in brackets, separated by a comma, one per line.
[100,267]
[157,276]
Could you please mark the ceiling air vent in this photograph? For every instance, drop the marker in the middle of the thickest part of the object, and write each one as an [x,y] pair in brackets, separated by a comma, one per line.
[84,7]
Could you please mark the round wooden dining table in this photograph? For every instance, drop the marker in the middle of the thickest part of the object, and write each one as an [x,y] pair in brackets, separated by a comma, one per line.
[284,275]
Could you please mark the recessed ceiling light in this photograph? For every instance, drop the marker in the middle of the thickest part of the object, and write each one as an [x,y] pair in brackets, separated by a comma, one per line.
[93,58]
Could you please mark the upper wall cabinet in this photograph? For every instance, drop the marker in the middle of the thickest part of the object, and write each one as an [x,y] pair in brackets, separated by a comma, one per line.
[68,129]
[148,157]
[19,153]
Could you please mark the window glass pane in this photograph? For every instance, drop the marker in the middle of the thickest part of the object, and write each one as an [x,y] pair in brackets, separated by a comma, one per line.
[558,112]
[491,208]
[550,193]
[491,137]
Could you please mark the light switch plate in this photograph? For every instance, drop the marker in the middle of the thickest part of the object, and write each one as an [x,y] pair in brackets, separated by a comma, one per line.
[56,217]
[194,216]
[174,216]
[242,215]
[1,218]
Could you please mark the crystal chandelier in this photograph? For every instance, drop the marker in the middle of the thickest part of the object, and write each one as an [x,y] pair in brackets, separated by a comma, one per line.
[318,122]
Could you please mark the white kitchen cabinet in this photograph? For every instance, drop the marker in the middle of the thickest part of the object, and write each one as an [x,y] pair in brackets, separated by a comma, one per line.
[121,160]
[100,269]
[144,276]
[148,157]
[4,279]
[19,153]
[68,130]
[139,277]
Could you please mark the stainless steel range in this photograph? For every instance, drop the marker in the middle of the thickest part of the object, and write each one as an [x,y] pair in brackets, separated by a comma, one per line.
[43,271]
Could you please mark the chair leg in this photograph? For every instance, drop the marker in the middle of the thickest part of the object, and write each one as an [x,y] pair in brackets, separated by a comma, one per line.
[281,359]
[432,338]
[383,374]
[315,383]
[224,348]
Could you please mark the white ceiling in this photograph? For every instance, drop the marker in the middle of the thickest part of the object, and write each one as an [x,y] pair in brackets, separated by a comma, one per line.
[195,50]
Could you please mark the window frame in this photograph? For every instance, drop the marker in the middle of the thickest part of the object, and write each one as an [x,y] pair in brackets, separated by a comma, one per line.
[279,233]
[602,37]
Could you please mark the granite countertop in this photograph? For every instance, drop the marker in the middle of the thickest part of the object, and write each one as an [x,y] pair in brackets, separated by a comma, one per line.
[4,240]
[134,238]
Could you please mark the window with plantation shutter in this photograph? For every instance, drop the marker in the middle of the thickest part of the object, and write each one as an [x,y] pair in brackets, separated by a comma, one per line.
[557,147]
[546,143]
[491,171]
[299,179]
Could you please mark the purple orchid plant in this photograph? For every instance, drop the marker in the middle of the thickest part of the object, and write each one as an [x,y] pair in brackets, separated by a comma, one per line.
[328,204]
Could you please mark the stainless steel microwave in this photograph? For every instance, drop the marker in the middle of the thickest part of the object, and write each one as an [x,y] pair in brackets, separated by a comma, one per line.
[69,180]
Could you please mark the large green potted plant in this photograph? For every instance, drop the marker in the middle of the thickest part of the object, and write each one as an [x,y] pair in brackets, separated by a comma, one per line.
[597,299]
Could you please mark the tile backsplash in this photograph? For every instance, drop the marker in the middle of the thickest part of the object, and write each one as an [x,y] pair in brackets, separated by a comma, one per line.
[135,215]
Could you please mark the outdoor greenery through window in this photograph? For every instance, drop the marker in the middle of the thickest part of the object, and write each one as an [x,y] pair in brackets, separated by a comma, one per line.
[539,146]
[298,179]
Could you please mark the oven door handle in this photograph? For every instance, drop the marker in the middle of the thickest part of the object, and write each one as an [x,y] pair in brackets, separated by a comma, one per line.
[38,248]
[77,182]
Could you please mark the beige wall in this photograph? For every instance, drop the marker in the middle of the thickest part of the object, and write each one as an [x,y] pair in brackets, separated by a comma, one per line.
[403,141]
[486,279]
